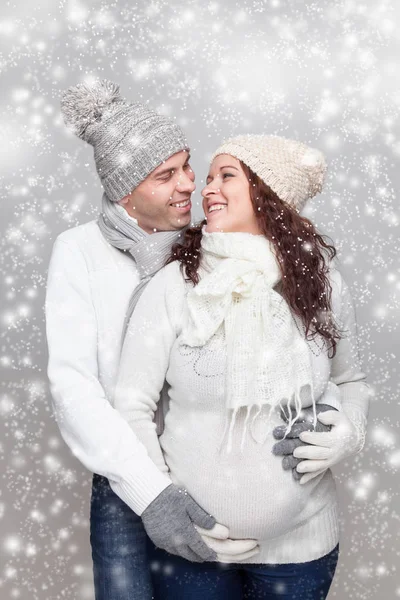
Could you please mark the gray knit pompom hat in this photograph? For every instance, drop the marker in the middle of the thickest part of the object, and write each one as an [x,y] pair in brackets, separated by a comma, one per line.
[294,171]
[129,139]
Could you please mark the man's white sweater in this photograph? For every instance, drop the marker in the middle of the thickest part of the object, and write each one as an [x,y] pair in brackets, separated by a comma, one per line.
[88,290]
[247,491]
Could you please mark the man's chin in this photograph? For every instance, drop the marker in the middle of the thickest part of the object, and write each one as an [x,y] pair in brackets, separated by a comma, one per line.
[183,221]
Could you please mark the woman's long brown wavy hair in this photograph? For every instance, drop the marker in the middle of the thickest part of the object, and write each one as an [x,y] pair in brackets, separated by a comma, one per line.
[302,253]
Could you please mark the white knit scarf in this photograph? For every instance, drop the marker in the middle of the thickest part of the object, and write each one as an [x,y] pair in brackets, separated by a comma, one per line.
[268,361]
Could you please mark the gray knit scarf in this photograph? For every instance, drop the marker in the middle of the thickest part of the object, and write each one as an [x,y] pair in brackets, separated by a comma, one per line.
[149,251]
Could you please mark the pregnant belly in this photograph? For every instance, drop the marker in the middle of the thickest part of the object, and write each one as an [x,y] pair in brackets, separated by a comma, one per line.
[247,491]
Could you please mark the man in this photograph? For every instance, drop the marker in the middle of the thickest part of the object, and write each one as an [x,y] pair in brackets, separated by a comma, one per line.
[96,274]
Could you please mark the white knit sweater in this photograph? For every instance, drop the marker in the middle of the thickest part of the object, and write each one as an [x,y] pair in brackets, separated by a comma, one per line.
[247,491]
[88,290]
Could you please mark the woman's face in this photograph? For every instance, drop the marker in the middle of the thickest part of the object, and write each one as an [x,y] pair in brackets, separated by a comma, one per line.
[226,198]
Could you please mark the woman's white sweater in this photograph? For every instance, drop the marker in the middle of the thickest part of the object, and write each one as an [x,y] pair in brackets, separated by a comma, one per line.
[248,490]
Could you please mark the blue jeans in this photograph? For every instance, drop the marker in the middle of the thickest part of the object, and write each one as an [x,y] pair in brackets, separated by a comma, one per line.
[119,547]
[175,578]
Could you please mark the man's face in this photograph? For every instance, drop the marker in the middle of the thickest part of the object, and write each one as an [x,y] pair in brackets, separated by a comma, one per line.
[162,201]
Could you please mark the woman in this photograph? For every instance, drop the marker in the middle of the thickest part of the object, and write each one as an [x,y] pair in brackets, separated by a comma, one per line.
[249,317]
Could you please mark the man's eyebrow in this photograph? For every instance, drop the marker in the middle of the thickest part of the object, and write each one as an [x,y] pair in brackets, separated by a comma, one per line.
[170,168]
[224,167]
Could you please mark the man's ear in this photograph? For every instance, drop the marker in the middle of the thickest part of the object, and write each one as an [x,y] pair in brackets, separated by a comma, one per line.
[124,200]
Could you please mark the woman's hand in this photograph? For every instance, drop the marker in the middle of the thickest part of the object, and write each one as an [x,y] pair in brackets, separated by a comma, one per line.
[228,550]
[287,446]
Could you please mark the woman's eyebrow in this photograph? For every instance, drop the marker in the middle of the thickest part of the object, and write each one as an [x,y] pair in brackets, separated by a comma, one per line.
[224,167]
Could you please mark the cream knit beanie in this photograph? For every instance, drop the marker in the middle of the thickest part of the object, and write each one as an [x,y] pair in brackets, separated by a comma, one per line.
[294,171]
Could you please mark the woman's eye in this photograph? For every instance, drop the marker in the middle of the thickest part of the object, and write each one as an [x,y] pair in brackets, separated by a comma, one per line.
[227,175]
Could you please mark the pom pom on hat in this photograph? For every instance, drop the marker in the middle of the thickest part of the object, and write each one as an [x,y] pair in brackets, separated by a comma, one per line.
[84,104]
[294,171]
[315,166]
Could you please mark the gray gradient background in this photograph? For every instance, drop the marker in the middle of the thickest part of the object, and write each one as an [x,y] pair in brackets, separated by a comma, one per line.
[323,72]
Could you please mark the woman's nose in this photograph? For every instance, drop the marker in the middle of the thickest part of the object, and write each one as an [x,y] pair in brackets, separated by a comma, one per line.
[210,188]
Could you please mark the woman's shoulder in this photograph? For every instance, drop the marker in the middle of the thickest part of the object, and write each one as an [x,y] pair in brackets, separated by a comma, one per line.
[170,275]
[168,283]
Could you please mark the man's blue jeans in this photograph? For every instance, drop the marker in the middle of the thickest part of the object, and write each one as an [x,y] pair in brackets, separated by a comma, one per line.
[175,578]
[119,547]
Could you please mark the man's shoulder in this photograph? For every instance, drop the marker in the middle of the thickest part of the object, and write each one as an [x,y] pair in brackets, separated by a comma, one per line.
[88,242]
[81,234]
[336,280]
[338,287]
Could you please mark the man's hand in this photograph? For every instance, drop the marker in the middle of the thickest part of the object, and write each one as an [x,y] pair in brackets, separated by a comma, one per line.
[170,523]
[287,446]
[326,449]
[176,523]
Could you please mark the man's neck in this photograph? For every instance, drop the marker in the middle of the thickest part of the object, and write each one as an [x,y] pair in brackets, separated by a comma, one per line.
[121,207]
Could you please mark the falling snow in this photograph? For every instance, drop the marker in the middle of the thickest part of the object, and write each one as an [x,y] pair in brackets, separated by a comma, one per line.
[324,72]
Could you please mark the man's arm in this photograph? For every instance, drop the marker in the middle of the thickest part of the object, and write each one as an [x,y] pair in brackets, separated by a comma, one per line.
[94,431]
[346,371]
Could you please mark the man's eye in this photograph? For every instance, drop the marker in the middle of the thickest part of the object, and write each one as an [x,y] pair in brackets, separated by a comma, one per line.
[187,165]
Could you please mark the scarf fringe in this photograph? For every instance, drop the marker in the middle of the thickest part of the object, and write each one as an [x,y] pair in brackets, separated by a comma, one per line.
[231,422]
[299,407]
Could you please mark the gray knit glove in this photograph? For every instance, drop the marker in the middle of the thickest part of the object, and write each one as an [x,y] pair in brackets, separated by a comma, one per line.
[169,522]
[286,446]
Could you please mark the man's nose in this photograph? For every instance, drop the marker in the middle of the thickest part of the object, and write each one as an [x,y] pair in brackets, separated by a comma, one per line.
[186,182]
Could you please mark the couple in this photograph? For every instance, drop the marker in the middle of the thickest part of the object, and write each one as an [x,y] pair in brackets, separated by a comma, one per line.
[208,376]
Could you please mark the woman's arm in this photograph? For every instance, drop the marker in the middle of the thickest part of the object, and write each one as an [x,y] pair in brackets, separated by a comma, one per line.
[170,520]
[150,335]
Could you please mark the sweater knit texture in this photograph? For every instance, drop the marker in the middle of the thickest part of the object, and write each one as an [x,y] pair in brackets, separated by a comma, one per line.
[247,489]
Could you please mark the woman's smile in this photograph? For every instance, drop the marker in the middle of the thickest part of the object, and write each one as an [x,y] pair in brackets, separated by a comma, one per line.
[216,207]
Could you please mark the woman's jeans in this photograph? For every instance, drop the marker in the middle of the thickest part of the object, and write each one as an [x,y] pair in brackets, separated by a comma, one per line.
[121,565]
[175,578]
[125,563]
